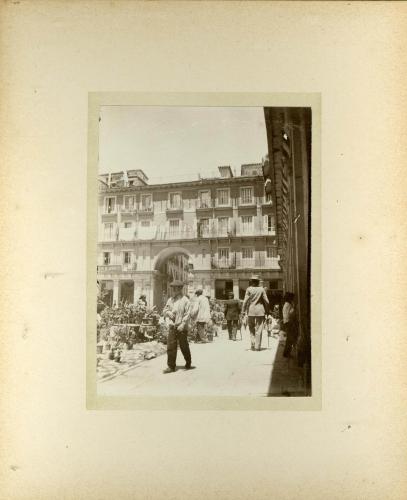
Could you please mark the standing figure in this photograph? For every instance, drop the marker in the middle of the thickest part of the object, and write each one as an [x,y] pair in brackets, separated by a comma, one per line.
[177,311]
[232,313]
[202,315]
[289,325]
[255,305]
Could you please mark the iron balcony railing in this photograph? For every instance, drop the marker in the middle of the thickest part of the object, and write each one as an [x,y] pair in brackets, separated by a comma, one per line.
[117,268]
[129,267]
[247,202]
[181,234]
[110,210]
[219,262]
[109,268]
[174,208]
[202,204]
[146,209]
[129,210]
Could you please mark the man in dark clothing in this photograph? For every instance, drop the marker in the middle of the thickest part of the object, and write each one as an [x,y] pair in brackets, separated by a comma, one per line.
[232,313]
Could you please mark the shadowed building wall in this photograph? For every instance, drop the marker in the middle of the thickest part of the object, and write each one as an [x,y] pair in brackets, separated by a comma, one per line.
[289,144]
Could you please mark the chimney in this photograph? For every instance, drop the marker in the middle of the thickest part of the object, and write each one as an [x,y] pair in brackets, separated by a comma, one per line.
[225,171]
[137,177]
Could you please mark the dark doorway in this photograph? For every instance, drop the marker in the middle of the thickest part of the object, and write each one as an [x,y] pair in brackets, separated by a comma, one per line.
[127,292]
[222,288]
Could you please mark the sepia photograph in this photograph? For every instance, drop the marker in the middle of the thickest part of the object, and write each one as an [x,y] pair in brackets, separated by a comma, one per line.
[203,251]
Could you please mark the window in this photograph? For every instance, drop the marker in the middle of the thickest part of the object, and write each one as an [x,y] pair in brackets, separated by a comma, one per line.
[175,200]
[222,197]
[268,198]
[145,223]
[203,227]
[126,257]
[204,200]
[129,202]
[174,226]
[106,258]
[223,254]
[271,252]
[127,225]
[223,226]
[269,223]
[145,201]
[108,231]
[246,195]
[247,224]
[110,205]
[223,258]
[247,253]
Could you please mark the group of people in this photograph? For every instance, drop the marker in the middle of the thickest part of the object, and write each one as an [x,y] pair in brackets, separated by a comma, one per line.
[254,312]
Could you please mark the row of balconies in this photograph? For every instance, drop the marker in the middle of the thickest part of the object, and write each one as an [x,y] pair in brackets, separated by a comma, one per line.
[237,261]
[233,261]
[143,209]
[186,233]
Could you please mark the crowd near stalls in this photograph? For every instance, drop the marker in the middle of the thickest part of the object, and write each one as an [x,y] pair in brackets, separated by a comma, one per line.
[120,327]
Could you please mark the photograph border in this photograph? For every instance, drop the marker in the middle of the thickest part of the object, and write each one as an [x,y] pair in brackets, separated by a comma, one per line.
[98,99]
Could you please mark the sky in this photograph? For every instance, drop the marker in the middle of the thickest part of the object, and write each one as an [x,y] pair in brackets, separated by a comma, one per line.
[174,143]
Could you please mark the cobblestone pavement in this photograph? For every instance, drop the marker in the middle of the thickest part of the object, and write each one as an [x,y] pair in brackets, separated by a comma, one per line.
[223,368]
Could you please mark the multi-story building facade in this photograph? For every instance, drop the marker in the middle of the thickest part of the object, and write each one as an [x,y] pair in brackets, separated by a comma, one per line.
[212,233]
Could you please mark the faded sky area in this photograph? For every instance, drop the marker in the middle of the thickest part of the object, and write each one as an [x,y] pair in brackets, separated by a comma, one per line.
[172,143]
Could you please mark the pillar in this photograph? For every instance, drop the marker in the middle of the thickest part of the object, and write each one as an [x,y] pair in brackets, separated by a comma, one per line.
[116,292]
[236,288]
[150,295]
[213,289]
[137,291]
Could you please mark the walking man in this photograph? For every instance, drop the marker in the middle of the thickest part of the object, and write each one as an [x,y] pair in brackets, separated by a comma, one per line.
[254,305]
[177,310]
[202,315]
[232,313]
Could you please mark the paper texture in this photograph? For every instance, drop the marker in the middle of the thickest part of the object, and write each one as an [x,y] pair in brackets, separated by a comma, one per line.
[53,55]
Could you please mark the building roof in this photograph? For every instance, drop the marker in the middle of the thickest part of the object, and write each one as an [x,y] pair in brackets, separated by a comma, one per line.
[246,175]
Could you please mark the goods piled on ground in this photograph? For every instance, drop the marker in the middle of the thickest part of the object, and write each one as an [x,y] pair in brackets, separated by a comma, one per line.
[120,328]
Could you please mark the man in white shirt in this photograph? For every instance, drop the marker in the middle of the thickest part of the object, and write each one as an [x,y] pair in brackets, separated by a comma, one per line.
[177,312]
[202,315]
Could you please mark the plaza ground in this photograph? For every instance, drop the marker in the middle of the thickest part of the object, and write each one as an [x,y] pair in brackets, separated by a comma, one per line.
[222,368]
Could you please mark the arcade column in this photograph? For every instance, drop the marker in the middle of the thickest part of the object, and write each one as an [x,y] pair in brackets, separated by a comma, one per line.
[116,292]
[137,291]
[235,288]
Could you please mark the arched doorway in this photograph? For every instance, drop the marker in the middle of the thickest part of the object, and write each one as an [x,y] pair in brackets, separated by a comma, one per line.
[172,263]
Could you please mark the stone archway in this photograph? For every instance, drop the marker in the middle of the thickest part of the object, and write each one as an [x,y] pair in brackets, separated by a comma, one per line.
[168,252]
[170,263]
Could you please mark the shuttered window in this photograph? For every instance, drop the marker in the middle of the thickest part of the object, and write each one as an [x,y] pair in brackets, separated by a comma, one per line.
[247,224]
[222,197]
[246,195]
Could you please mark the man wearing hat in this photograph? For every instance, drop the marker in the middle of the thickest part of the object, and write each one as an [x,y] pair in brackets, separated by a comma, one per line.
[177,310]
[254,305]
